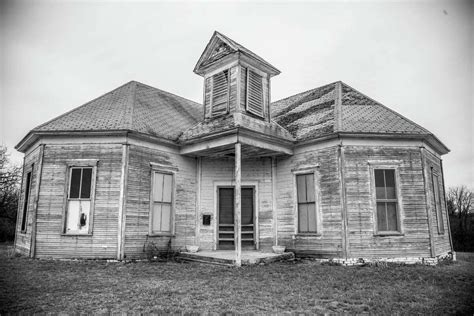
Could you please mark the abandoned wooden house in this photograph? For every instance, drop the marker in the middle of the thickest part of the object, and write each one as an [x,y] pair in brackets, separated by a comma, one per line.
[328,172]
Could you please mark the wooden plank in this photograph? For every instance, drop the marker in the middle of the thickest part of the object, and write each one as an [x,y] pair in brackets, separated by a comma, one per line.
[122,203]
[341,165]
[237,207]
[274,202]
[39,170]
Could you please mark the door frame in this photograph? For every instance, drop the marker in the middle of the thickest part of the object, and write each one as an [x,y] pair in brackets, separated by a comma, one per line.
[231,184]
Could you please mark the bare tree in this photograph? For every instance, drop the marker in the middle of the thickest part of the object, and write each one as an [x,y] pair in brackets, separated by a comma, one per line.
[461,204]
[10,176]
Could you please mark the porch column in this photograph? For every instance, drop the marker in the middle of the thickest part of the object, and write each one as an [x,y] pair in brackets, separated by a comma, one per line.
[237,208]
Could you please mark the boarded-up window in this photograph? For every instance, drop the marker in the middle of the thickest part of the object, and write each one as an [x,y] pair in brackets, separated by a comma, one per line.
[79,201]
[307,220]
[254,93]
[437,202]
[220,93]
[26,201]
[162,203]
[387,202]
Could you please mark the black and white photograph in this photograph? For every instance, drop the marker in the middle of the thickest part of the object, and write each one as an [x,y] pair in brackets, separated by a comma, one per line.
[237,157]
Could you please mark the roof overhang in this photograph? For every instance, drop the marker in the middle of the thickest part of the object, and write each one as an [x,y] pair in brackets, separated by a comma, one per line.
[33,136]
[239,52]
[254,145]
[428,139]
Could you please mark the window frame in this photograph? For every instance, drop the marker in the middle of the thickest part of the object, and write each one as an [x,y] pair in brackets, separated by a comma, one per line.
[317,201]
[438,208]
[393,165]
[70,165]
[151,233]
[26,199]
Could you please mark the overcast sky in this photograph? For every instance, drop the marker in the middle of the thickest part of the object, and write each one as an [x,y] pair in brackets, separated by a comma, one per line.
[414,57]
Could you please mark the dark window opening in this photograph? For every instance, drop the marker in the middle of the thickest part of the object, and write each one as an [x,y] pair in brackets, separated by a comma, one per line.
[26,202]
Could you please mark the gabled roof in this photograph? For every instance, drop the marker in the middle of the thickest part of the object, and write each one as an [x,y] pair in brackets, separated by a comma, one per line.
[339,108]
[132,107]
[220,45]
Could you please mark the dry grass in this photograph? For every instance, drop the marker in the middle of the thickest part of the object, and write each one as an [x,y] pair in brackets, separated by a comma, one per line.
[38,286]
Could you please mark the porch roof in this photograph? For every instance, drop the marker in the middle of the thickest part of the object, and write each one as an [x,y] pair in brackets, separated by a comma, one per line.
[223,145]
[216,138]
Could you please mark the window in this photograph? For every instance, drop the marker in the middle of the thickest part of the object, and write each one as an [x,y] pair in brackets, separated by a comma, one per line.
[162,204]
[79,200]
[437,202]
[220,93]
[254,93]
[386,200]
[307,217]
[26,202]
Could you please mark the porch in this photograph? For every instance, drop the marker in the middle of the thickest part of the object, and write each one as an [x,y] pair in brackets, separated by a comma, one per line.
[234,209]
[227,257]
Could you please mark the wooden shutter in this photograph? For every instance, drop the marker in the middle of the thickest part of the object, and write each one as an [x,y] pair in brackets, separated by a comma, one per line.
[254,93]
[220,93]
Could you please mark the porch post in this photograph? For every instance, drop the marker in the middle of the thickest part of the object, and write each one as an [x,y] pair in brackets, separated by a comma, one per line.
[237,207]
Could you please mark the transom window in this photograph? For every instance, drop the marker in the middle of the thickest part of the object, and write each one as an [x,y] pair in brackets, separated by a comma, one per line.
[387,201]
[79,202]
[162,203]
[307,219]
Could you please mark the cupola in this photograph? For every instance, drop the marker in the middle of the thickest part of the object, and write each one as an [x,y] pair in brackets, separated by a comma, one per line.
[236,80]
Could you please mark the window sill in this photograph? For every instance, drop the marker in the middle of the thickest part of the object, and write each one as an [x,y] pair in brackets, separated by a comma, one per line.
[76,234]
[388,234]
[161,235]
[303,235]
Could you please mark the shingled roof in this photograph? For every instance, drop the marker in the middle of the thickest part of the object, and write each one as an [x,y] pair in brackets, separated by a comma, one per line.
[133,107]
[332,109]
[339,108]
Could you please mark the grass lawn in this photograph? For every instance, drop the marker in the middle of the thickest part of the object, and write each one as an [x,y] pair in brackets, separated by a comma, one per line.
[39,286]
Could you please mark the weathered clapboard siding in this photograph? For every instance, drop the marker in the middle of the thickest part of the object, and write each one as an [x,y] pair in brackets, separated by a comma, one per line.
[221,171]
[23,239]
[51,242]
[441,241]
[362,241]
[329,239]
[137,207]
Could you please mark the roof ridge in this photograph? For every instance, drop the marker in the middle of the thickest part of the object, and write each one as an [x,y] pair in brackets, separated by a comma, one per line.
[133,99]
[167,92]
[389,109]
[307,91]
[81,106]
[338,106]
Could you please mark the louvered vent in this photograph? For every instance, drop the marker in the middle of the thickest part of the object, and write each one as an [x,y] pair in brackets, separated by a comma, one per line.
[254,93]
[220,93]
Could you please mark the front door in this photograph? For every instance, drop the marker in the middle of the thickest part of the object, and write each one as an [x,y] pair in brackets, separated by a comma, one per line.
[226,218]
